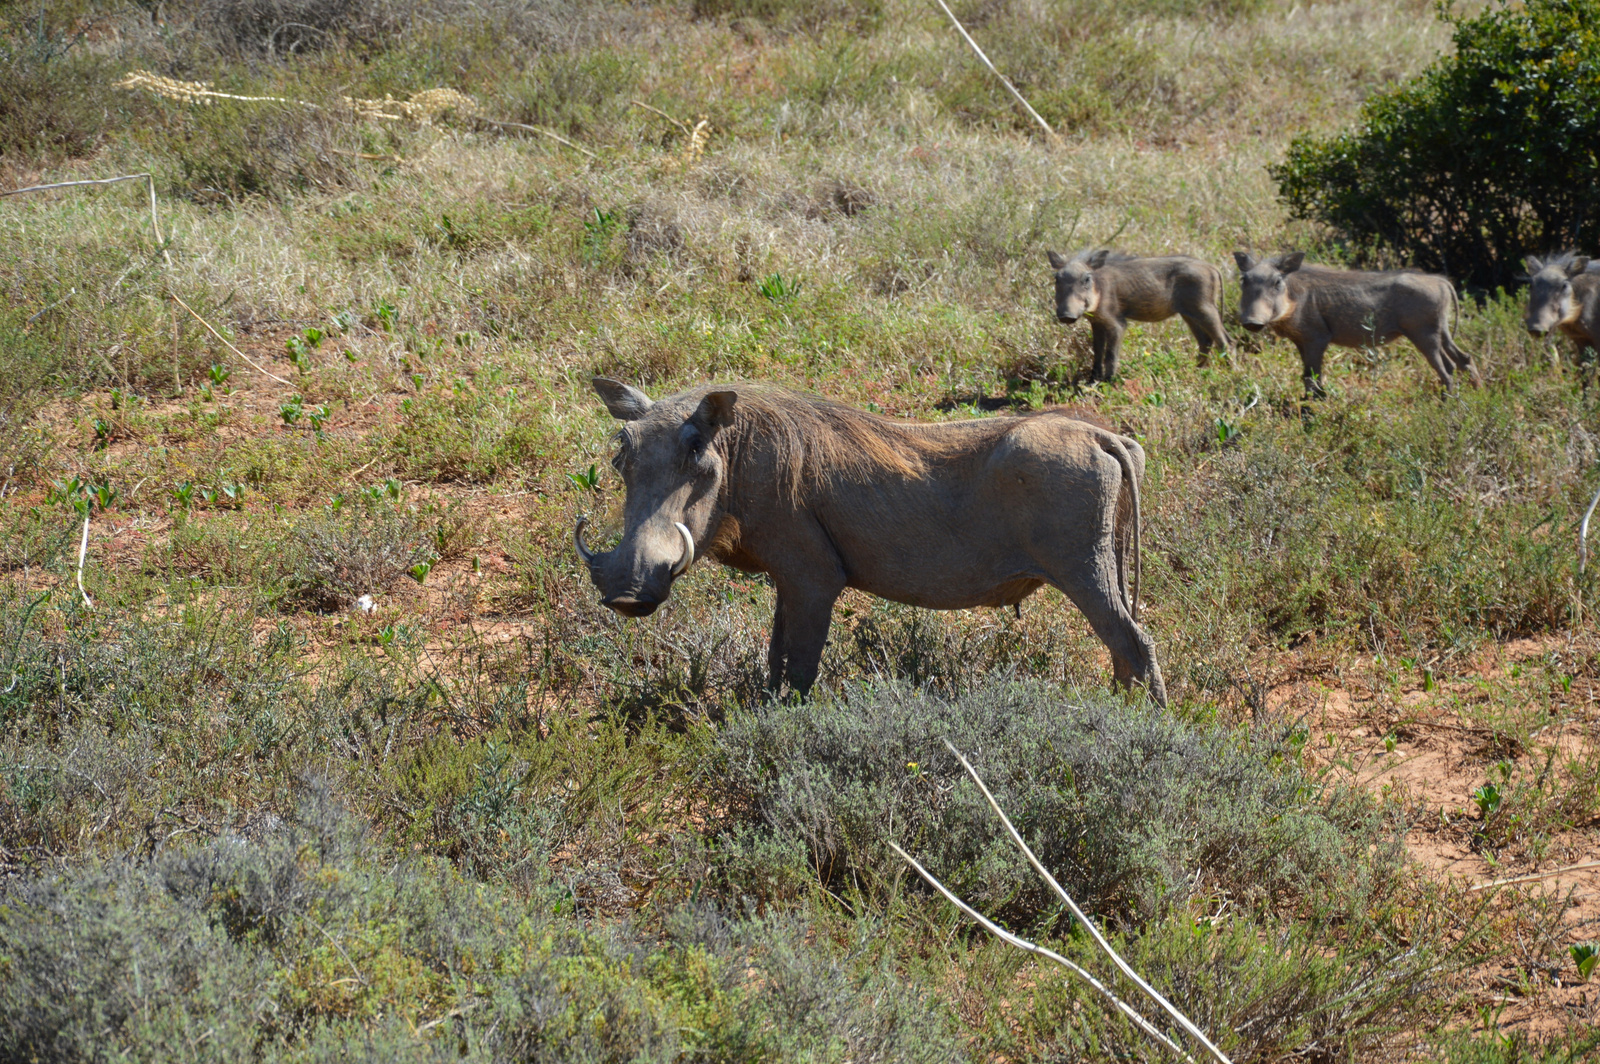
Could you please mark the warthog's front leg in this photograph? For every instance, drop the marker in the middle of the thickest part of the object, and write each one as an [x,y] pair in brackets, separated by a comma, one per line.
[809,576]
[1311,352]
[1106,335]
[804,614]
[775,650]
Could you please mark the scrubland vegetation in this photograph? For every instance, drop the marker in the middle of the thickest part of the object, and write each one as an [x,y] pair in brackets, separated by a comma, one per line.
[243,816]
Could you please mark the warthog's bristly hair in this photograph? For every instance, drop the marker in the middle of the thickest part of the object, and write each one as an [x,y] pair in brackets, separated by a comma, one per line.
[813,441]
[1111,257]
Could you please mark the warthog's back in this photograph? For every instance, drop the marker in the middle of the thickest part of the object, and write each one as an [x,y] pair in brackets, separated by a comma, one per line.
[1154,289]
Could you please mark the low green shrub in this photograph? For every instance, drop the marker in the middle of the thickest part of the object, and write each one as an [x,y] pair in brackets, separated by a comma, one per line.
[1133,809]
[337,556]
[301,940]
[57,103]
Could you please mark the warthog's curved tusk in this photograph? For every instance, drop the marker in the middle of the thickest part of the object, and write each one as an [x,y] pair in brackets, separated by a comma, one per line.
[585,553]
[688,549]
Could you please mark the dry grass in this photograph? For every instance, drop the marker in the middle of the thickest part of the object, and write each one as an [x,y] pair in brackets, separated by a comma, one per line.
[448,291]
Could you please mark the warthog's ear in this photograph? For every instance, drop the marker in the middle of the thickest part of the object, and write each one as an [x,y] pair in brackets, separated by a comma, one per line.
[1534,264]
[1098,259]
[1246,261]
[715,411]
[1578,264]
[1056,261]
[1290,262]
[625,403]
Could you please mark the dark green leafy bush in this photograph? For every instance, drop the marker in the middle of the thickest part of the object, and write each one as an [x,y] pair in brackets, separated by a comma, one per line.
[55,102]
[1134,810]
[1489,154]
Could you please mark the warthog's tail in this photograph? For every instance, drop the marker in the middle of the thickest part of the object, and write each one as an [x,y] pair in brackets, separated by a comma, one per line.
[1113,445]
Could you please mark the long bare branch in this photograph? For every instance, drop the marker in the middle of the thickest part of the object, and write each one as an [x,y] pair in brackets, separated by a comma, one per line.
[154,222]
[1021,943]
[1083,918]
[252,362]
[1012,89]
[1583,534]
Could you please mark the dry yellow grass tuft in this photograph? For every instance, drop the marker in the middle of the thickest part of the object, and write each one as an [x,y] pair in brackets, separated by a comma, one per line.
[423,108]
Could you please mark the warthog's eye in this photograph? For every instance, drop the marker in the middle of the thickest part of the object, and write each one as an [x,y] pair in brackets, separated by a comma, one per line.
[1280,283]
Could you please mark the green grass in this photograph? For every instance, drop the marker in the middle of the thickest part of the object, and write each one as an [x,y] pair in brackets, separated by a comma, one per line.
[492,804]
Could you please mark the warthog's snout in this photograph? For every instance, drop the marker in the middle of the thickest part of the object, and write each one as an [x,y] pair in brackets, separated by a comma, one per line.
[643,606]
[1254,326]
[1536,329]
[1065,319]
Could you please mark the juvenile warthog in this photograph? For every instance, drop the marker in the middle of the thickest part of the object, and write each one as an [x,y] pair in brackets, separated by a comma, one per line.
[823,497]
[1564,293]
[1315,306]
[1115,289]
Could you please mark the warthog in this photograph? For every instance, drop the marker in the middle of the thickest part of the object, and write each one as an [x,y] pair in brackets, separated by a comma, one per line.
[1564,293]
[1115,289]
[1315,306]
[823,497]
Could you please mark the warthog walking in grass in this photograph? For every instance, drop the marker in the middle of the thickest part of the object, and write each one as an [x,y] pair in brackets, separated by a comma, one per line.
[1564,293]
[824,497]
[1114,289]
[1315,306]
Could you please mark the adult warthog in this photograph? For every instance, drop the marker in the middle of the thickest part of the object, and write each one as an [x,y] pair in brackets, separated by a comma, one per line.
[1315,306]
[1114,289]
[1564,293]
[823,497]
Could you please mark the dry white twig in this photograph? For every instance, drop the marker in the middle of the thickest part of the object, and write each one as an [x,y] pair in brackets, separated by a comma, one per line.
[1082,918]
[558,138]
[154,223]
[1535,876]
[1022,943]
[83,553]
[1583,534]
[255,365]
[1012,89]
[663,114]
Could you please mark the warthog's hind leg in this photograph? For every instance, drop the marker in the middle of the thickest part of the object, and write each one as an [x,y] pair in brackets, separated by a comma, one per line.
[1462,360]
[1206,326]
[1433,349]
[1133,653]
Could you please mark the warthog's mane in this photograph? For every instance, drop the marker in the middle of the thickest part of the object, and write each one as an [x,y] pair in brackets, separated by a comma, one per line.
[1112,257]
[801,442]
[1563,259]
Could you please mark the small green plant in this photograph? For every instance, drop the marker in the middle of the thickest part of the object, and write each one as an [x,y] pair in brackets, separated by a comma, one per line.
[1487,798]
[102,432]
[313,336]
[586,480]
[1227,431]
[1584,956]
[778,288]
[389,489]
[344,321]
[597,234]
[299,353]
[292,410]
[386,314]
[183,495]
[419,572]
